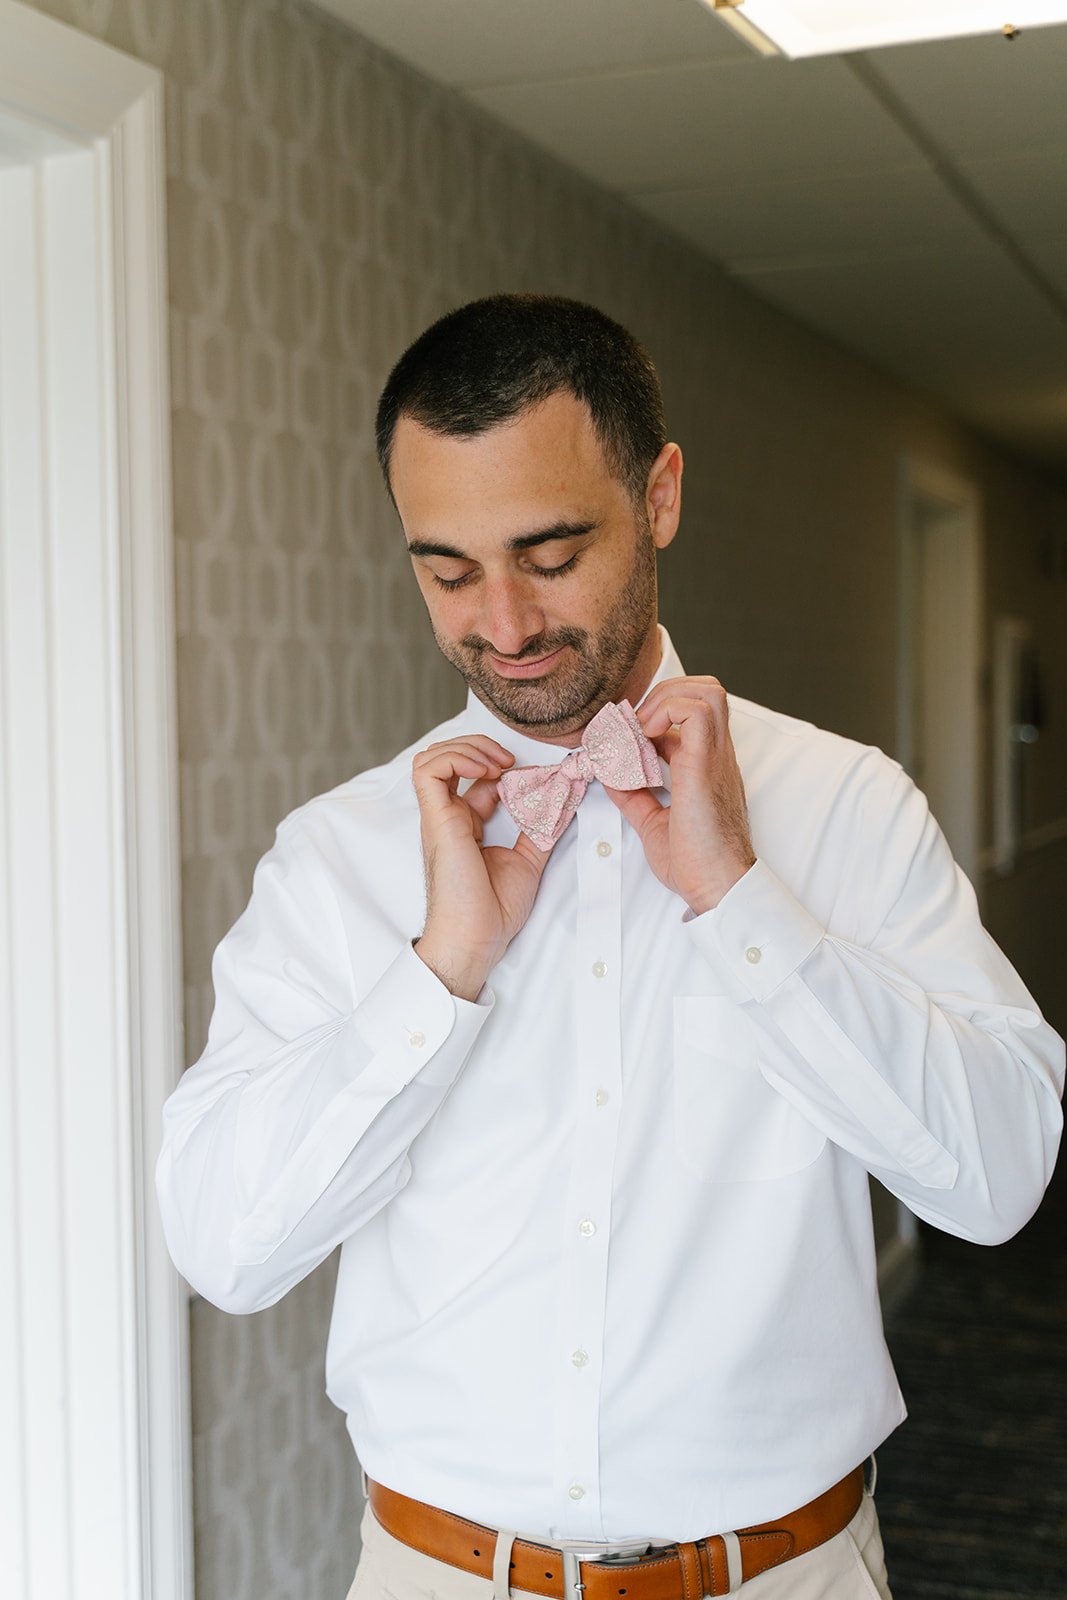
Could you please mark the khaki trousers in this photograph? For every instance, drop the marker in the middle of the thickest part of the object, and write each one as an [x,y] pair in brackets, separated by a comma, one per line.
[851,1566]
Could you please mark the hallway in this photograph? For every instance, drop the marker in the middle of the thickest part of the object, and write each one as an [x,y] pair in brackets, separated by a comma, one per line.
[972,1490]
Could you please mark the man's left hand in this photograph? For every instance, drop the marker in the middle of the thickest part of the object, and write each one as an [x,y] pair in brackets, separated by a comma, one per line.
[699,845]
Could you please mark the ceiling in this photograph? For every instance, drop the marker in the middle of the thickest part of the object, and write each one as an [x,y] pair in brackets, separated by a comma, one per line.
[910,203]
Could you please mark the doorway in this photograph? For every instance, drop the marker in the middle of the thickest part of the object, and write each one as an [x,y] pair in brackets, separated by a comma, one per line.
[940,653]
[938,677]
[93,1388]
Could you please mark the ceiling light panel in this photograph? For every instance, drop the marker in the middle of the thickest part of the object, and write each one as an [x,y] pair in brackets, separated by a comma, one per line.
[832,27]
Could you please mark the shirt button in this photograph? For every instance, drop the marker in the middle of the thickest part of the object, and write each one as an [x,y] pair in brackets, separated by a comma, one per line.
[417,1040]
[753,954]
[602,1097]
[600,969]
[587,1228]
[579,1358]
[603,848]
[576,1491]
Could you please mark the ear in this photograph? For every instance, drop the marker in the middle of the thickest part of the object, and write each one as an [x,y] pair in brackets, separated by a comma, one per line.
[663,496]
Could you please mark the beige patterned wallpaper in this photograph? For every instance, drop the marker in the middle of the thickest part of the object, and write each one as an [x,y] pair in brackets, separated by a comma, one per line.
[324,204]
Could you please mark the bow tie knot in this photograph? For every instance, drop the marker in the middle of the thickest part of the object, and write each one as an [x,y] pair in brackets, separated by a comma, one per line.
[614,749]
[578,764]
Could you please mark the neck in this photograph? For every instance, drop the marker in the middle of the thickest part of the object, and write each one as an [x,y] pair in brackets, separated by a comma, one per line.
[644,669]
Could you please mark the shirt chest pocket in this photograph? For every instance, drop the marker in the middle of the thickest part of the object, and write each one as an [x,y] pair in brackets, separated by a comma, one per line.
[730,1124]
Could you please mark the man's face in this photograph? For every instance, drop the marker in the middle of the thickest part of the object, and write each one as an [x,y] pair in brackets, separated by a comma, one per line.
[538,572]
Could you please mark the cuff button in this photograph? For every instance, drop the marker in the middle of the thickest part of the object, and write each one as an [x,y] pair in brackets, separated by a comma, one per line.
[416,1040]
[753,954]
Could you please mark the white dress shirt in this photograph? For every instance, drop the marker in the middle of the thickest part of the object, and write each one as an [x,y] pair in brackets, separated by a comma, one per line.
[607,1265]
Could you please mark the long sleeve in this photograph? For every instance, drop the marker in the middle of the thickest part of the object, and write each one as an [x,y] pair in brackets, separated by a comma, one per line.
[895,1024]
[322,1066]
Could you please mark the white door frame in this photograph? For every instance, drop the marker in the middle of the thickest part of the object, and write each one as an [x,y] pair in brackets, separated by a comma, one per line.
[938,520]
[94,1450]
[1011,637]
[939,530]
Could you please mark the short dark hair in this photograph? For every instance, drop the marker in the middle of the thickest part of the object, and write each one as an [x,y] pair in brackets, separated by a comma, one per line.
[486,362]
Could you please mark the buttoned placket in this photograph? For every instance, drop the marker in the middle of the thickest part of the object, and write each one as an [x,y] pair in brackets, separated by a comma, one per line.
[596,986]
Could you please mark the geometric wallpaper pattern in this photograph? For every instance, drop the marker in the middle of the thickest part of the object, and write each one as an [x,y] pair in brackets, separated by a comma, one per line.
[277,1494]
[324,205]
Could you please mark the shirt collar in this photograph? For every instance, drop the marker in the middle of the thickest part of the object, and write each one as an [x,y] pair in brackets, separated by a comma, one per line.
[534,752]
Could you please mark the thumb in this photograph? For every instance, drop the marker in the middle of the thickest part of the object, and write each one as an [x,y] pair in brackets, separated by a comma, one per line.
[639,806]
[531,853]
[482,797]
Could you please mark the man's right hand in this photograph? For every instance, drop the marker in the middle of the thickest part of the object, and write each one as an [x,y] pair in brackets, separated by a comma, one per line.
[476,899]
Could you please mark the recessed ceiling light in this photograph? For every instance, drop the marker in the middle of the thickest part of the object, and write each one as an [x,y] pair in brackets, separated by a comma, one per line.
[831,27]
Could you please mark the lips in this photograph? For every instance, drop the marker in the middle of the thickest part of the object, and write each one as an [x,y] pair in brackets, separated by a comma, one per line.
[526,669]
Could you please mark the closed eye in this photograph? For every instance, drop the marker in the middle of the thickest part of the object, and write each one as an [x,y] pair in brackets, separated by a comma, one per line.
[557,572]
[451,583]
[542,572]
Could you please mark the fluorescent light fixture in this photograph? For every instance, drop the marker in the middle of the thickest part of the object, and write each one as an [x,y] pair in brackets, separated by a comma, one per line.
[832,27]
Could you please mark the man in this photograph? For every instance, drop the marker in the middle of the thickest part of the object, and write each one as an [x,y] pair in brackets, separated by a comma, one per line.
[591,1106]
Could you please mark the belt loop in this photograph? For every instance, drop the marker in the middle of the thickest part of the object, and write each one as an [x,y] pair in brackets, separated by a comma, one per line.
[692,1577]
[733,1561]
[870,1487]
[502,1566]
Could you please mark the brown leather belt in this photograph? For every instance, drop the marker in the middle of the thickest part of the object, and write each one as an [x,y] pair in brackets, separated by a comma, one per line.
[674,1572]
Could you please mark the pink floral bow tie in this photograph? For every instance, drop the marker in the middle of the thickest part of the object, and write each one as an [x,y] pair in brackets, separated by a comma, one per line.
[542,800]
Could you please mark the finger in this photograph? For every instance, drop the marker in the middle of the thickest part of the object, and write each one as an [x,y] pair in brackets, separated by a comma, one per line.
[640,807]
[687,700]
[449,764]
[468,757]
[651,710]
[473,744]
[482,797]
[436,780]
[708,712]
[672,686]
[528,851]
[667,744]
[473,741]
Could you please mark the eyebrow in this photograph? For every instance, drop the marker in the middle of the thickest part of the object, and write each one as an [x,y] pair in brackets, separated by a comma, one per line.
[520,541]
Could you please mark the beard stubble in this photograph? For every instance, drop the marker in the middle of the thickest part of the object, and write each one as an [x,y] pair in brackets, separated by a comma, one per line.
[590,676]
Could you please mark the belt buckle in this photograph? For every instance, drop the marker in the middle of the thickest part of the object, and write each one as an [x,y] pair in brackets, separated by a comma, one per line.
[575,1553]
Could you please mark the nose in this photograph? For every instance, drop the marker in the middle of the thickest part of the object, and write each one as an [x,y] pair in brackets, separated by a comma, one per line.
[512,615]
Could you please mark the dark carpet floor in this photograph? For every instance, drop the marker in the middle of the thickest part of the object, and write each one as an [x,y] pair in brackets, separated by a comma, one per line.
[972,1489]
